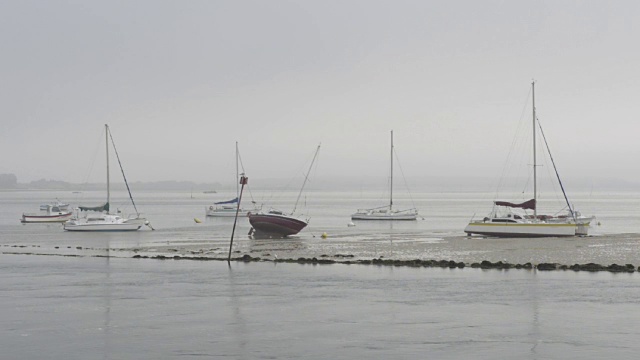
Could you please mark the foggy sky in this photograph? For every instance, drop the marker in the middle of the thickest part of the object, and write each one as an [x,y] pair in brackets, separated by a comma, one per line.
[179,82]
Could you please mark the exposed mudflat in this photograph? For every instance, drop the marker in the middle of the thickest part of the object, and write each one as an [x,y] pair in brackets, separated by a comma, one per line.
[616,253]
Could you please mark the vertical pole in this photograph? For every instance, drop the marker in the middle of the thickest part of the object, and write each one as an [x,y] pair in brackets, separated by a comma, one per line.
[237,171]
[106,138]
[391,187]
[243,181]
[535,165]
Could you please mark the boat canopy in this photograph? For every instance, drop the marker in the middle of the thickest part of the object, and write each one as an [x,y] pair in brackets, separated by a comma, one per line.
[530,204]
[100,208]
[233,201]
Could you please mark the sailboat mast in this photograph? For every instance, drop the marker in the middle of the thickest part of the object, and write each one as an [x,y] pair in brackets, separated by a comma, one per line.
[106,138]
[391,181]
[305,179]
[535,165]
[237,181]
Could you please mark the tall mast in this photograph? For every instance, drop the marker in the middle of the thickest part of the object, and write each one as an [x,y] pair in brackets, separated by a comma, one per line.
[306,177]
[106,138]
[391,182]
[237,174]
[535,183]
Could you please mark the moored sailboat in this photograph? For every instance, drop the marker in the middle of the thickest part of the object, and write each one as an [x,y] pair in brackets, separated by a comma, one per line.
[509,219]
[386,212]
[98,218]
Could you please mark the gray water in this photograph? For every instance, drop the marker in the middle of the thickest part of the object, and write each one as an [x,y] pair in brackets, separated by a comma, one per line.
[82,296]
[102,308]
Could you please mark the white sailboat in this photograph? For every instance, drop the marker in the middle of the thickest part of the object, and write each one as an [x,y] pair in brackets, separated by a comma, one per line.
[386,212]
[98,218]
[228,208]
[513,220]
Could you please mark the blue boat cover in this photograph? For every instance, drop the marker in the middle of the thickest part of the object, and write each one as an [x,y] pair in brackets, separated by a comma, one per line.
[227,202]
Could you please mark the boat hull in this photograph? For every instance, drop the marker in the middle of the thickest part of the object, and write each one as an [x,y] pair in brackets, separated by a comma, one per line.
[384,216]
[57,218]
[526,229]
[107,224]
[103,227]
[224,212]
[276,224]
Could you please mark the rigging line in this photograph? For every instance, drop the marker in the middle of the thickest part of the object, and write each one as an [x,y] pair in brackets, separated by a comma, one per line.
[277,192]
[513,144]
[93,161]
[395,152]
[122,170]
[556,170]
[548,169]
[306,178]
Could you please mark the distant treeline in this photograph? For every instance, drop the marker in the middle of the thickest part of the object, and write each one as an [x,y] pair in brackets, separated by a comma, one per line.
[411,185]
[10,182]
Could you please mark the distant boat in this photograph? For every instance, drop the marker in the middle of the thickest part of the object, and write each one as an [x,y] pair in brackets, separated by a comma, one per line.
[276,222]
[386,212]
[210,192]
[60,205]
[509,219]
[98,218]
[225,209]
[54,214]
[228,208]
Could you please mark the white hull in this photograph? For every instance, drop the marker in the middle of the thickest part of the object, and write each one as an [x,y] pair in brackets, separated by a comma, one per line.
[526,229]
[223,212]
[27,218]
[106,223]
[102,227]
[387,216]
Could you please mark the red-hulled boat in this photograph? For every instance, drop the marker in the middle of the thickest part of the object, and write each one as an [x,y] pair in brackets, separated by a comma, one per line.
[277,223]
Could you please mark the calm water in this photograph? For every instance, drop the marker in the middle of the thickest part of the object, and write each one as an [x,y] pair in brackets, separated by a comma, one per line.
[100,308]
[116,307]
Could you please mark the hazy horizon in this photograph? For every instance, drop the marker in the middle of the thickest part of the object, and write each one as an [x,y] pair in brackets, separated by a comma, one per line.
[402,187]
[180,82]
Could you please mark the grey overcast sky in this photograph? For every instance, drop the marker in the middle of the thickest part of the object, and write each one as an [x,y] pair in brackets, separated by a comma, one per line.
[180,81]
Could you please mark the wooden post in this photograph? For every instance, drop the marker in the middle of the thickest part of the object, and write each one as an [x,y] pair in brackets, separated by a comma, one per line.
[243,181]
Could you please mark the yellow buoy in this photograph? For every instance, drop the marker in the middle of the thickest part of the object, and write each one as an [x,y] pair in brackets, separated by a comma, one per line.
[324,235]
[197,220]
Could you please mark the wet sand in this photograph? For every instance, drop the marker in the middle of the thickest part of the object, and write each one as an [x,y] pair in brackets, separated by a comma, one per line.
[591,253]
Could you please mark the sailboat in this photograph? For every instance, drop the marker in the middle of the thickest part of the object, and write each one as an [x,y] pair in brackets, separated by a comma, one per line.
[509,219]
[98,218]
[278,223]
[386,212]
[227,208]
